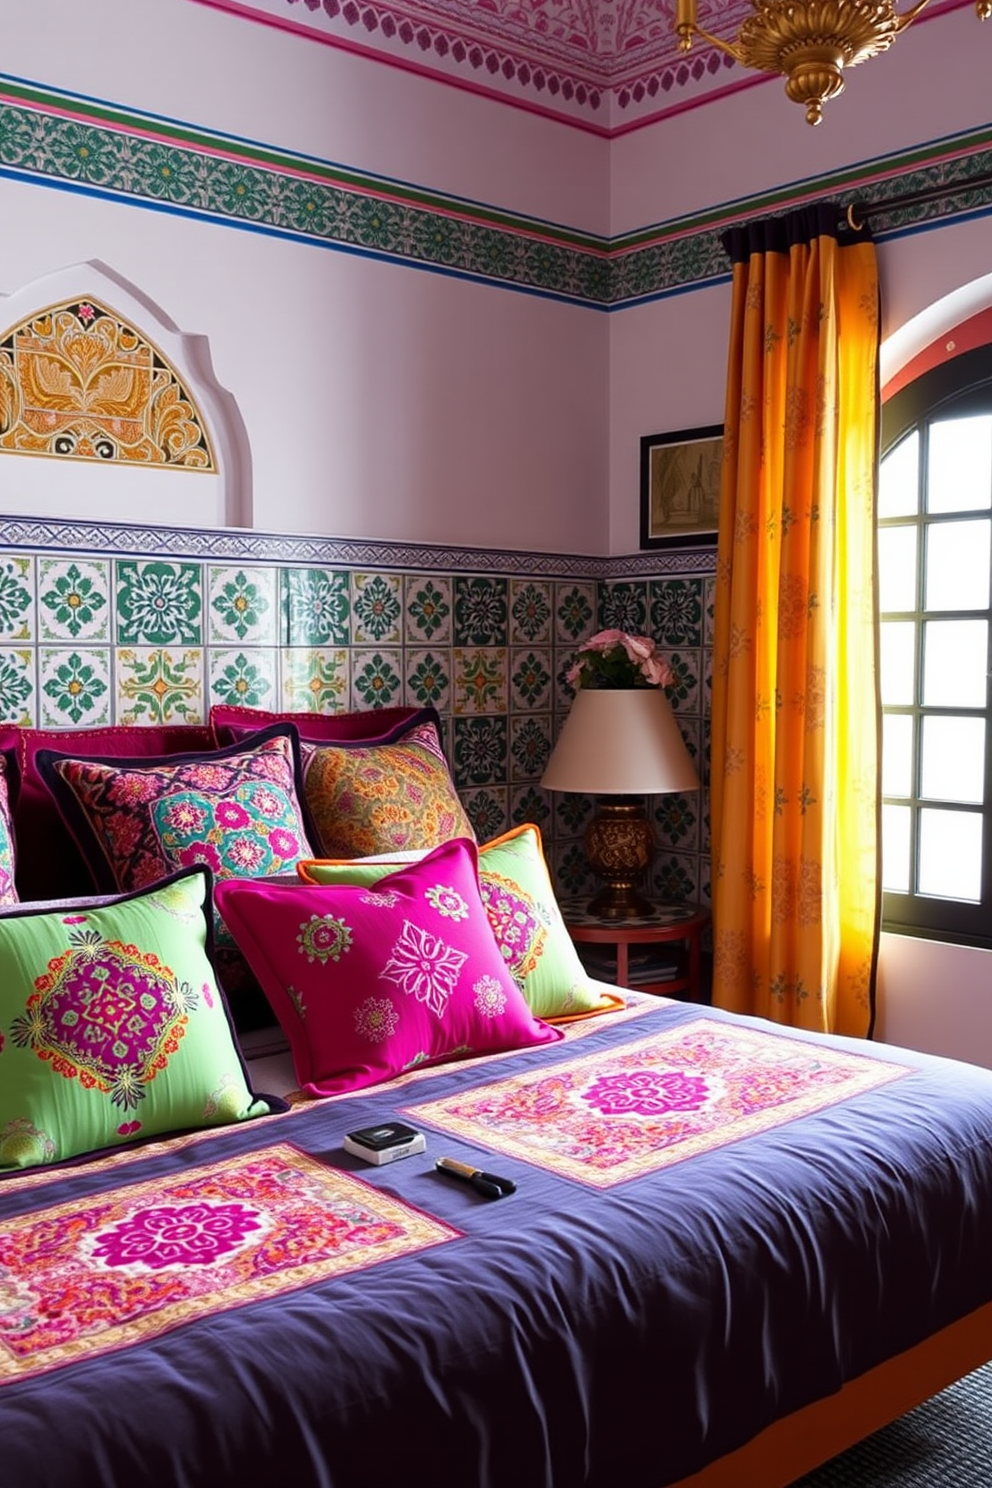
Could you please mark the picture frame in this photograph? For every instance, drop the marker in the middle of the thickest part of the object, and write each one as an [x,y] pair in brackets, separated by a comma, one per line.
[680,487]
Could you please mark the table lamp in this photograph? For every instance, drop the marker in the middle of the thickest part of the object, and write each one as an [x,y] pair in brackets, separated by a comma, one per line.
[619,743]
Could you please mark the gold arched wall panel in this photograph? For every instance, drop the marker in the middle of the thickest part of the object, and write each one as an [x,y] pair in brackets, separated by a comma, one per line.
[78,382]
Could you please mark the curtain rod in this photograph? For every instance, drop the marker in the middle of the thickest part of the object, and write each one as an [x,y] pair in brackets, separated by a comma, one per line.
[858,213]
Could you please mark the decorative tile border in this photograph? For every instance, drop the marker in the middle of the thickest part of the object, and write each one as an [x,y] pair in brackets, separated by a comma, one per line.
[73,143]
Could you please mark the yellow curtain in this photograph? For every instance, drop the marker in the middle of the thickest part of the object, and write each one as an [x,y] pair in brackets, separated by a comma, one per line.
[795,716]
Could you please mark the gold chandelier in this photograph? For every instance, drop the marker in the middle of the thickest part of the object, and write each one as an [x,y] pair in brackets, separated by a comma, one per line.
[809,42]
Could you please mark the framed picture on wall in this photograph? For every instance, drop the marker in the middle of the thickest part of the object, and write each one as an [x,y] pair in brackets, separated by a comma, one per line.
[680,487]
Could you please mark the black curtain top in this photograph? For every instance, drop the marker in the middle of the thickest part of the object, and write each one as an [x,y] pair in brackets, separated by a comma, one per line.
[779,234]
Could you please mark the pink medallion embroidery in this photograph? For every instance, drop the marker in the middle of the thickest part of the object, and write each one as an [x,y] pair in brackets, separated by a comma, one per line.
[647,1093]
[190,1235]
[106,1014]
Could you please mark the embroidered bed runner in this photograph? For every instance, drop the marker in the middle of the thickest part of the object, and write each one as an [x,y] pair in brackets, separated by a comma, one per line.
[119,1268]
[603,1118]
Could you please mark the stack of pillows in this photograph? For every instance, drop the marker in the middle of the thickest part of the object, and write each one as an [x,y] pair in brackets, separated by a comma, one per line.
[165,890]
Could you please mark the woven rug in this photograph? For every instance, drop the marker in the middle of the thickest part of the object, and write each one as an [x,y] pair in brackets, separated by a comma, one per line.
[944,1443]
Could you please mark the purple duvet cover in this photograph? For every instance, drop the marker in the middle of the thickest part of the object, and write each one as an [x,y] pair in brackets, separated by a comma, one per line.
[714,1223]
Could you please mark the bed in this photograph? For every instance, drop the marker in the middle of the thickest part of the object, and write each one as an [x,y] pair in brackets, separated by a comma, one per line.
[730,1252]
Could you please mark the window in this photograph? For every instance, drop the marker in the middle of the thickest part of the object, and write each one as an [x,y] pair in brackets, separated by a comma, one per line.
[934,565]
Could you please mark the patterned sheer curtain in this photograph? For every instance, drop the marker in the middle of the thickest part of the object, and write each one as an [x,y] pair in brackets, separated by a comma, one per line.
[794,792]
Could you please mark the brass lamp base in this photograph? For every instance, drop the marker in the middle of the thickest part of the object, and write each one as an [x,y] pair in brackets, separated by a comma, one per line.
[619,844]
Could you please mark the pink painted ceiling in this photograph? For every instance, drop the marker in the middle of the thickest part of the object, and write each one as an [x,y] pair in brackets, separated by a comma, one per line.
[605,65]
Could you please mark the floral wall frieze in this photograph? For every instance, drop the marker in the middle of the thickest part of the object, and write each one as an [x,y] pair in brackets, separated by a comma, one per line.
[72,143]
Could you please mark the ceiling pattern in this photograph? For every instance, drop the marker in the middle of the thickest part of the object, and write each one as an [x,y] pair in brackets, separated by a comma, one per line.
[603,65]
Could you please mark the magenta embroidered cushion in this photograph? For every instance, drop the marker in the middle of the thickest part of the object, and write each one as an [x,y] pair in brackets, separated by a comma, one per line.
[236,810]
[370,981]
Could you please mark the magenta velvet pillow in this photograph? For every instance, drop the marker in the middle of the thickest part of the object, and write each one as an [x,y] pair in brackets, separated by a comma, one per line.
[230,723]
[49,864]
[8,796]
[368,982]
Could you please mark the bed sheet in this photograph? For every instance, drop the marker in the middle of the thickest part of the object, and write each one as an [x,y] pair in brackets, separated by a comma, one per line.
[715,1222]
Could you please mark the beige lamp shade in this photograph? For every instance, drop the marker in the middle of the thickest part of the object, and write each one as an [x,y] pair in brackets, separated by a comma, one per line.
[618,742]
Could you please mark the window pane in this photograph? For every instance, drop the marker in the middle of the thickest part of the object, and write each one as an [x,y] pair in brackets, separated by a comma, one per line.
[955,662]
[897,754]
[898,480]
[957,566]
[897,648]
[953,763]
[895,849]
[951,854]
[897,568]
[959,477]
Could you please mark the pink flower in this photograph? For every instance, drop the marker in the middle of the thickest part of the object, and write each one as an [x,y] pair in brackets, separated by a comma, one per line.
[638,648]
[603,640]
[658,672]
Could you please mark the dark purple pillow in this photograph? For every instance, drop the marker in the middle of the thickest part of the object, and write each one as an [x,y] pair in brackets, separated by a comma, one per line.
[49,864]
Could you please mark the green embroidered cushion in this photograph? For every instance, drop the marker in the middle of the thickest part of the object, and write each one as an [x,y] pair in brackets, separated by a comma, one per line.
[112,1027]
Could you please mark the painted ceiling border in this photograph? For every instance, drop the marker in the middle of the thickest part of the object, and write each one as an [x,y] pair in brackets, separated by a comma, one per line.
[74,143]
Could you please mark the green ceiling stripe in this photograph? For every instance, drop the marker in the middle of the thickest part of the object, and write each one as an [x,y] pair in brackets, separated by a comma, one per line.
[80,143]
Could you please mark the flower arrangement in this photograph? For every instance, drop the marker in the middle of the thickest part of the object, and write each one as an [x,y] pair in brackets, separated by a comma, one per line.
[614,659]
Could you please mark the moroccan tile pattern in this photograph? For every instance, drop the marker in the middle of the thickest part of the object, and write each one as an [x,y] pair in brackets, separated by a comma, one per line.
[75,143]
[88,638]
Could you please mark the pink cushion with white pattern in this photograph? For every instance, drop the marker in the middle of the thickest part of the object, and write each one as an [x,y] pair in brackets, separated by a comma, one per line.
[371,981]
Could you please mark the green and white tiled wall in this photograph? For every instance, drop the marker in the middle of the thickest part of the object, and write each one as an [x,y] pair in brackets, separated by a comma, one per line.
[110,625]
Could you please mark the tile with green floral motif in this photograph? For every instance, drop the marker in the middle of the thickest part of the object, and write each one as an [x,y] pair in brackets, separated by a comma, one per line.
[677,612]
[314,679]
[572,811]
[245,676]
[564,692]
[530,745]
[74,599]
[531,611]
[243,606]
[159,603]
[571,874]
[376,677]
[159,685]
[623,605]
[376,609]
[478,751]
[18,702]
[317,606]
[674,877]
[17,621]
[529,803]
[479,680]
[531,678]
[684,690]
[575,611]
[427,609]
[709,609]
[75,687]
[486,808]
[480,611]
[676,820]
[428,683]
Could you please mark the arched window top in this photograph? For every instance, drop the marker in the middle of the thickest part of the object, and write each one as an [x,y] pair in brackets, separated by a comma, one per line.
[77,381]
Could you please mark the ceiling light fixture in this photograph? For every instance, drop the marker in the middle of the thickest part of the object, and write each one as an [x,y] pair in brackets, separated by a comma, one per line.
[809,42]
